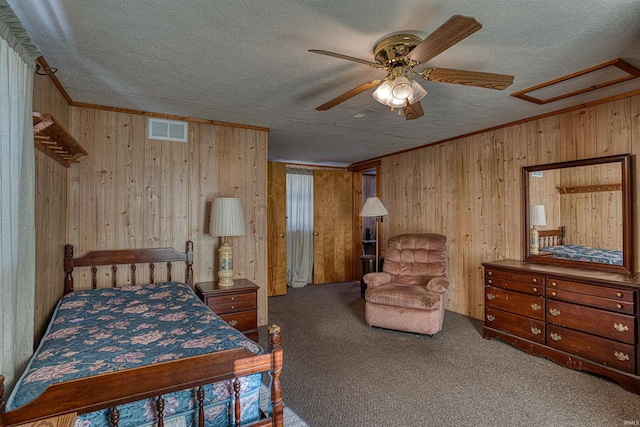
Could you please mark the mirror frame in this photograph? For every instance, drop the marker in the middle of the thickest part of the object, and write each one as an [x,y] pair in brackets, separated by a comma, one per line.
[627,207]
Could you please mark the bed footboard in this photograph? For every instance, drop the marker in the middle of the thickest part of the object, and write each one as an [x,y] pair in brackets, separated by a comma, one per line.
[110,390]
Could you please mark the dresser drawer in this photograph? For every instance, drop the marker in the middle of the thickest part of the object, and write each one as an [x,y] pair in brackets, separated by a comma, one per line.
[514,302]
[601,350]
[533,279]
[592,301]
[243,321]
[513,324]
[619,327]
[232,302]
[594,290]
[515,286]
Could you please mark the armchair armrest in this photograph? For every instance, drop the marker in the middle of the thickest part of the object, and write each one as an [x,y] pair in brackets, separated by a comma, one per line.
[376,279]
[437,284]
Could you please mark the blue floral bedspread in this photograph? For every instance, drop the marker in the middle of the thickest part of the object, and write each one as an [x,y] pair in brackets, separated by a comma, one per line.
[585,253]
[106,330]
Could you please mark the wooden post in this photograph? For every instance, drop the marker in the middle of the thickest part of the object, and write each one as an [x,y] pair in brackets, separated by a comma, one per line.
[275,348]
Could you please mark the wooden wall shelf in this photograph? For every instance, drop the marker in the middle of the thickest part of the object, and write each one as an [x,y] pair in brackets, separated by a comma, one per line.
[53,139]
[590,188]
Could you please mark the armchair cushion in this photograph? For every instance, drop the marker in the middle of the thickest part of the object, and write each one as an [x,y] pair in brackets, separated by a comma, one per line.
[406,296]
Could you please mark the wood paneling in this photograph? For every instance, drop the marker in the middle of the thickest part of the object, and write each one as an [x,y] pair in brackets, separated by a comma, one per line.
[470,188]
[136,192]
[51,210]
[277,226]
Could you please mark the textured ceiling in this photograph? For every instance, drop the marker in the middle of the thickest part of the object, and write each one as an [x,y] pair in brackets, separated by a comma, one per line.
[247,62]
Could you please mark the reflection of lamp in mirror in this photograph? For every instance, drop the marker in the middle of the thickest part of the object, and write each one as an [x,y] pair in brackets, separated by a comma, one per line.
[536,218]
[226,220]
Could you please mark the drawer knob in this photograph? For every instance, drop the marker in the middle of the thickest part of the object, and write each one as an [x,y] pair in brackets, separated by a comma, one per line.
[619,294]
[553,294]
[491,296]
[535,289]
[618,305]
[535,280]
[233,322]
[554,312]
[620,327]
[232,307]
[490,273]
[489,281]
[555,337]
[621,356]
[491,317]
[535,307]
[535,331]
[554,284]
[233,298]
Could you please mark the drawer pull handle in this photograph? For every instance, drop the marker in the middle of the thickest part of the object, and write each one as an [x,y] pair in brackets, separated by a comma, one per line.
[535,280]
[619,294]
[535,289]
[233,322]
[554,284]
[490,273]
[621,356]
[491,296]
[553,294]
[233,298]
[232,307]
[555,337]
[620,327]
[491,317]
[554,312]
[535,307]
[489,281]
[618,305]
[535,331]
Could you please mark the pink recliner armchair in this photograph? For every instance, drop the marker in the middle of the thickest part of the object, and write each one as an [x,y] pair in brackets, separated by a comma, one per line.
[408,294]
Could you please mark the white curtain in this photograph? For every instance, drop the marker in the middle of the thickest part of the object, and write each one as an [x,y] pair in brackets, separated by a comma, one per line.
[17,198]
[299,227]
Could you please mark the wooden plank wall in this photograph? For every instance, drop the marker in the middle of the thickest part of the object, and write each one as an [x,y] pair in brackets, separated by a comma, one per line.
[51,210]
[134,192]
[469,189]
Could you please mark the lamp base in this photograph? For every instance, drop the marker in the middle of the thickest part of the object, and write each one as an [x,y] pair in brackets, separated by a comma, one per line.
[225,265]
[534,246]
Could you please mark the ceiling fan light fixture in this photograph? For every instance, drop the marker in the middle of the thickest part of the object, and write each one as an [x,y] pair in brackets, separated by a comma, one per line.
[401,88]
[417,92]
[383,93]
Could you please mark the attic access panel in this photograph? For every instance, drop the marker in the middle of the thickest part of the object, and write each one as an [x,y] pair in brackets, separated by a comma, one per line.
[603,75]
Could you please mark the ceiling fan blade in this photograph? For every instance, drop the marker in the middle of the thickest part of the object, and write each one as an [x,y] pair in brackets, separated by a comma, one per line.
[469,78]
[456,29]
[348,95]
[348,58]
[413,111]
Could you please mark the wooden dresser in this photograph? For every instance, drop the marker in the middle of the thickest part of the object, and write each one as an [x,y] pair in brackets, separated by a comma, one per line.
[581,319]
[237,305]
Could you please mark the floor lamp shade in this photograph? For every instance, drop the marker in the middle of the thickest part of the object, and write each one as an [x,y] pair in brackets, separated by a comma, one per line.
[227,220]
[373,207]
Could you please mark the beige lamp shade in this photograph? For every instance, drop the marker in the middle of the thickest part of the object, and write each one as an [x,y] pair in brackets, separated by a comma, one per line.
[227,219]
[537,216]
[373,207]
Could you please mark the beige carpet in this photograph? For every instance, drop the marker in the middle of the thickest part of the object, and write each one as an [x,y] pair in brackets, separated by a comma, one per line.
[340,372]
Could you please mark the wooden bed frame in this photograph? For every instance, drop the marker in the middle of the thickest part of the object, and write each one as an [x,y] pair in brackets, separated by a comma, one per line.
[109,390]
[551,237]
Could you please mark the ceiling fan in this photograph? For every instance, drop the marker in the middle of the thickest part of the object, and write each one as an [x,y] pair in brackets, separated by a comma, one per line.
[399,55]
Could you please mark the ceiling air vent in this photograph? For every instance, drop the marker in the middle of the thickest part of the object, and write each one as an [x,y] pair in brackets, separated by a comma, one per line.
[168,130]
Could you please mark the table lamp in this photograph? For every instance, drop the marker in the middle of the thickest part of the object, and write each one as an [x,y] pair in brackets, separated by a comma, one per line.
[536,218]
[226,220]
[373,207]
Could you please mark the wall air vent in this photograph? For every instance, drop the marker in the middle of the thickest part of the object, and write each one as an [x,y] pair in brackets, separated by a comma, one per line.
[168,130]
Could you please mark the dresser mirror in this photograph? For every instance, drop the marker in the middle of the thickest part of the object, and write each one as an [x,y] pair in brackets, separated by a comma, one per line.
[578,214]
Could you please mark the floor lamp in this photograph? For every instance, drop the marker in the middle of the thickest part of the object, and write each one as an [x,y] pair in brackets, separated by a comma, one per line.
[373,207]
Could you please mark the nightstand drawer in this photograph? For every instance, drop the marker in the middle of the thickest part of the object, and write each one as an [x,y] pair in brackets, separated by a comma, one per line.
[244,321]
[232,302]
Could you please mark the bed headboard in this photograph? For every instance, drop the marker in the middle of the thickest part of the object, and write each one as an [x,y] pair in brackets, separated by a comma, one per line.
[129,257]
[551,237]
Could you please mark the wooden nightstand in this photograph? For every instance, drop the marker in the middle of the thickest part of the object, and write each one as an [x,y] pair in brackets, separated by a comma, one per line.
[237,305]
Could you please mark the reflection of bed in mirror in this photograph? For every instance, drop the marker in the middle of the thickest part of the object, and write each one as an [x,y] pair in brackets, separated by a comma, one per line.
[552,244]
